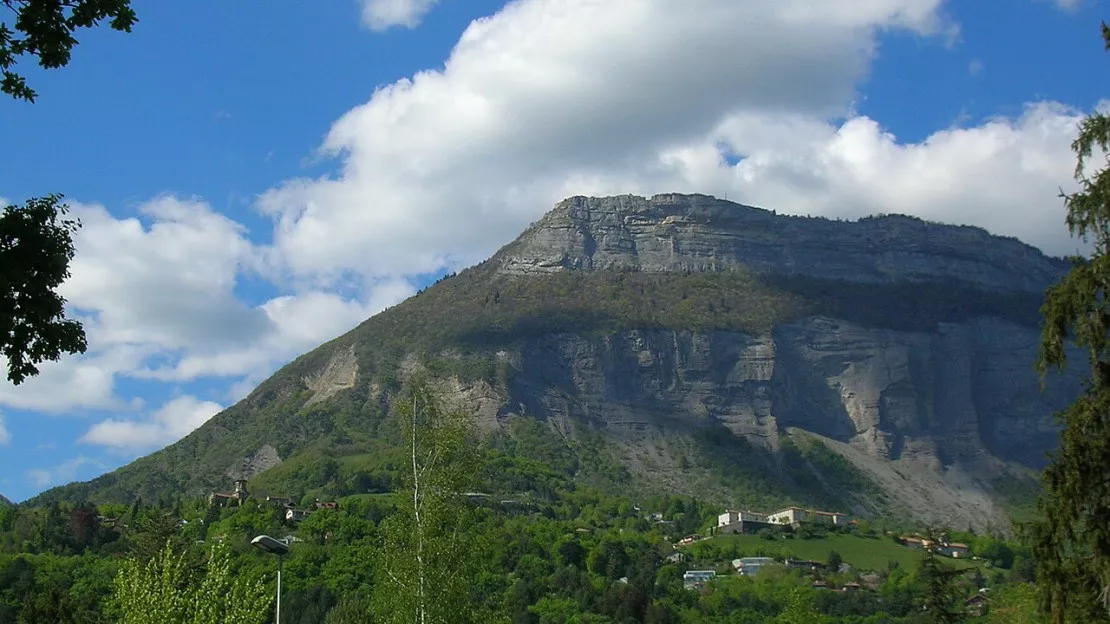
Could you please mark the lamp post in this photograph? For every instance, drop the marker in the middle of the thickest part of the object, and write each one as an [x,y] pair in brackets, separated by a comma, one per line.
[277,547]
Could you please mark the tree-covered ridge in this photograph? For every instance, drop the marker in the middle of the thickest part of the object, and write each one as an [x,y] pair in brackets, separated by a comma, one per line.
[479,311]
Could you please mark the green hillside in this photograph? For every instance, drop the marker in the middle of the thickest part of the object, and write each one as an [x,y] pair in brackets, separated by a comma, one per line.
[862,553]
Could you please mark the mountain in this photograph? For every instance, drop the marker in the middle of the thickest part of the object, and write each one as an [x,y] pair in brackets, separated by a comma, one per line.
[684,344]
[4,502]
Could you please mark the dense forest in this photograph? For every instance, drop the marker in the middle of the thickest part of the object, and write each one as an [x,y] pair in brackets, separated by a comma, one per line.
[577,557]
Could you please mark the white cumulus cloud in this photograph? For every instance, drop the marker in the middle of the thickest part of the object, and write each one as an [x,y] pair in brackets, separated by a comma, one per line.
[158,298]
[550,98]
[380,15]
[5,435]
[174,420]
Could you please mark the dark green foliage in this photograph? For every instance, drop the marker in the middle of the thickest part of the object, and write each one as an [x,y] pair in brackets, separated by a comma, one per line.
[1072,541]
[45,29]
[943,595]
[36,244]
[36,247]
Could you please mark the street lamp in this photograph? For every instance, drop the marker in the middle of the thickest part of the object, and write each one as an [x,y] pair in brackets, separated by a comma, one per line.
[277,547]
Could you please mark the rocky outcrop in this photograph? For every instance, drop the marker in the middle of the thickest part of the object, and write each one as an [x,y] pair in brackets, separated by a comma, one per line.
[339,374]
[260,461]
[702,233]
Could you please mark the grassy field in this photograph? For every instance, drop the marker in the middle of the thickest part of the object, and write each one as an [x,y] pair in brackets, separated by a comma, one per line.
[860,552]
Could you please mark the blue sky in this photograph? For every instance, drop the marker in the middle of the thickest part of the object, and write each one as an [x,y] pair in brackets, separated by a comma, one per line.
[254,182]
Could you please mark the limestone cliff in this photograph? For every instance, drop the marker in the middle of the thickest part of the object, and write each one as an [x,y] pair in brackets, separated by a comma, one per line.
[701,233]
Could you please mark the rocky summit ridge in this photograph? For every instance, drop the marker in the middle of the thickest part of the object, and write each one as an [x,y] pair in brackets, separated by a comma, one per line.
[682,343]
[676,233]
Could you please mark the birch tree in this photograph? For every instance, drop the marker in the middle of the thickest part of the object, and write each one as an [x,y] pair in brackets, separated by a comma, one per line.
[163,591]
[427,556]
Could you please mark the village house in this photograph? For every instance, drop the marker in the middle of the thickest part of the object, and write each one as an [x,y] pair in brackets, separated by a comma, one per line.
[326,505]
[750,566]
[917,542]
[791,515]
[977,605]
[676,557]
[295,515]
[802,564]
[954,550]
[736,521]
[280,501]
[238,497]
[696,579]
[796,515]
[831,517]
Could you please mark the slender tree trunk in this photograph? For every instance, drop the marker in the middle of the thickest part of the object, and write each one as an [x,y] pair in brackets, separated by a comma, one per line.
[419,525]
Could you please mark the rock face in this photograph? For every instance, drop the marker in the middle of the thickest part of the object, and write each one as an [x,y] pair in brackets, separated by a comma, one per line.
[953,395]
[701,233]
[933,417]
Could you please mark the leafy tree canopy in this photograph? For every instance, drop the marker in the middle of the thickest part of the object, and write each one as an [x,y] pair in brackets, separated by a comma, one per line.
[46,29]
[36,246]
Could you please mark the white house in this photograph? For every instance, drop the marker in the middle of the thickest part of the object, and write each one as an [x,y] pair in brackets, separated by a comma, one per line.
[790,515]
[796,515]
[732,516]
[732,521]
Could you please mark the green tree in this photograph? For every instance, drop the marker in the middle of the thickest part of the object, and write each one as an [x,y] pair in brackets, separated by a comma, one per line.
[427,557]
[800,608]
[352,609]
[942,602]
[36,247]
[45,29]
[36,242]
[834,561]
[1072,538]
[163,591]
